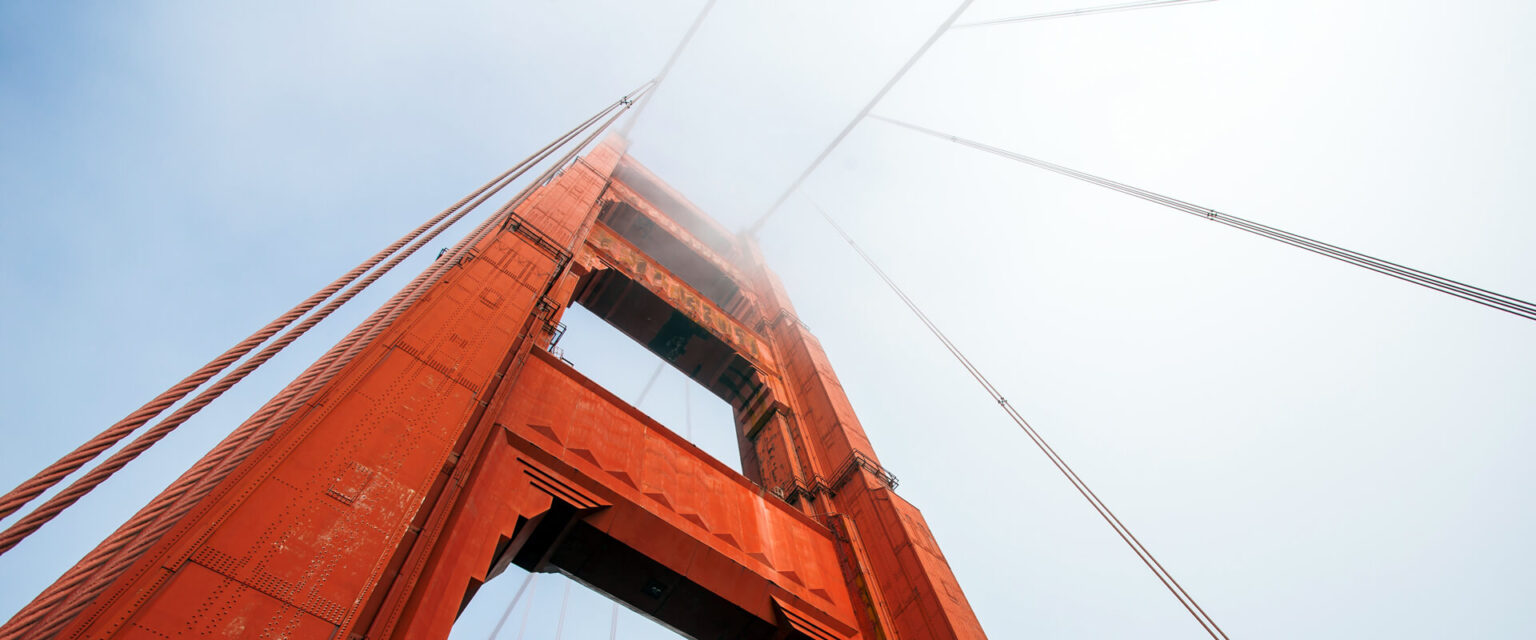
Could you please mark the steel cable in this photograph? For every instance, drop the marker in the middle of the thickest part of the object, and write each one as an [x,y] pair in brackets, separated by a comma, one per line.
[1470,293]
[50,476]
[527,580]
[565,602]
[522,629]
[477,438]
[1142,553]
[646,390]
[376,324]
[251,434]
[56,504]
[859,117]
[666,69]
[1072,13]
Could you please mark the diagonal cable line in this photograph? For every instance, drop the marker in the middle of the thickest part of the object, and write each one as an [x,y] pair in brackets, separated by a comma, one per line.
[859,117]
[1072,13]
[1470,293]
[666,69]
[1142,553]
[527,611]
[947,25]
[58,605]
[496,630]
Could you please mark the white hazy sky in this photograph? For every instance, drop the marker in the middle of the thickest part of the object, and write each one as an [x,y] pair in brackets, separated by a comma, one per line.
[1313,450]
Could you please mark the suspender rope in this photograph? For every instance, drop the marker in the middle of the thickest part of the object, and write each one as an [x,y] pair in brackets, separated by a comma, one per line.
[688,408]
[527,613]
[528,579]
[646,390]
[1072,13]
[1507,304]
[838,139]
[666,69]
[947,25]
[1145,555]
[564,602]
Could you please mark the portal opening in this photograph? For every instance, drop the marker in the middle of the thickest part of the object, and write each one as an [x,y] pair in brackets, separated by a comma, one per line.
[640,376]
[537,614]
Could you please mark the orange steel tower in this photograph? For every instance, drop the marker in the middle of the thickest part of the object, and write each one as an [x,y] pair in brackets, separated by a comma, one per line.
[457,444]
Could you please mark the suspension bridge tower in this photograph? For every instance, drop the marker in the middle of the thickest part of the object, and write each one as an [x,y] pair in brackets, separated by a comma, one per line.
[457,444]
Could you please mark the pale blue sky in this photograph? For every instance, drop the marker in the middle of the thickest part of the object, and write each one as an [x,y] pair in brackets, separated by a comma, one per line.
[1313,450]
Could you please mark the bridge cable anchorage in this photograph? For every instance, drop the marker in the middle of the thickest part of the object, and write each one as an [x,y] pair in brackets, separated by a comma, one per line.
[756,225]
[528,579]
[1492,299]
[1072,13]
[56,606]
[1145,555]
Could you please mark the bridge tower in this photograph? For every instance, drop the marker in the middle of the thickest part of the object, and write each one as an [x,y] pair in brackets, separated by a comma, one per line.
[457,445]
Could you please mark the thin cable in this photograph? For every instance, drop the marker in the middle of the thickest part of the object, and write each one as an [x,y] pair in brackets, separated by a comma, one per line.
[648,383]
[688,407]
[1145,555]
[858,117]
[1071,13]
[151,522]
[565,601]
[522,628]
[613,626]
[56,472]
[528,579]
[666,69]
[1470,293]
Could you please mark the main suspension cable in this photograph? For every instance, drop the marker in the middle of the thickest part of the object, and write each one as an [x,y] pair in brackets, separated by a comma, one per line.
[56,504]
[1072,13]
[54,473]
[1479,295]
[1145,555]
[83,582]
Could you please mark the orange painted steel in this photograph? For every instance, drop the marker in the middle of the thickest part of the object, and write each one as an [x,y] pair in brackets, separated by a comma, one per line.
[455,445]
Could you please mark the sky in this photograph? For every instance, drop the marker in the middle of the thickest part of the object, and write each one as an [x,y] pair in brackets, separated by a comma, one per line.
[1313,450]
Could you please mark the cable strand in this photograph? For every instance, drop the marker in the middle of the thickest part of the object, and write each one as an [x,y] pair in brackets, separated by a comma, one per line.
[1506,303]
[1120,529]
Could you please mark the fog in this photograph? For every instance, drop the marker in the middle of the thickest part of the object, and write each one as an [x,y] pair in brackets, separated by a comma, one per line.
[1313,450]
